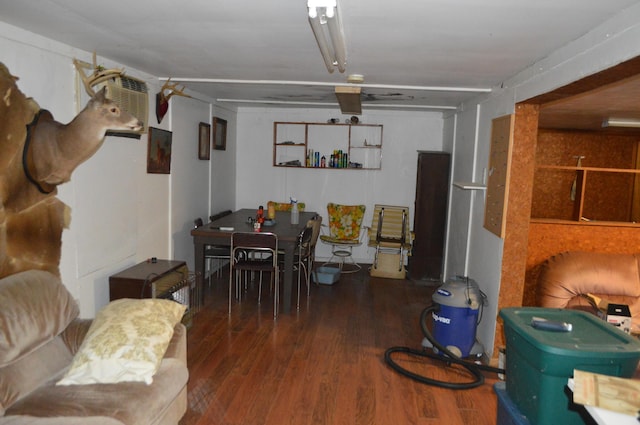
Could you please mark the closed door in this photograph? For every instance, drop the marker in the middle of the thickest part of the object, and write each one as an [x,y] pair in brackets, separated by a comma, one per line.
[430,216]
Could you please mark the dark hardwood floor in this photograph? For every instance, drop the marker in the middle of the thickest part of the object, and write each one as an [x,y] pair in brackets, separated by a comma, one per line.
[323,364]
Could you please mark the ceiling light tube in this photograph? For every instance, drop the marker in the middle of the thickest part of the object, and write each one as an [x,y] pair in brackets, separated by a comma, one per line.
[326,25]
[318,32]
[337,39]
[617,122]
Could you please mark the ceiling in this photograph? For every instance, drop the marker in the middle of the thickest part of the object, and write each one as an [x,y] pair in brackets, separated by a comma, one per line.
[427,54]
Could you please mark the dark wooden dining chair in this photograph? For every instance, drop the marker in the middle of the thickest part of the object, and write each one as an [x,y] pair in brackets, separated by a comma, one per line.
[303,258]
[220,252]
[217,253]
[255,252]
[316,223]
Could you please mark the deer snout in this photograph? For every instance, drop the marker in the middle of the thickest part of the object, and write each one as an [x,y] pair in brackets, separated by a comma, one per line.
[137,125]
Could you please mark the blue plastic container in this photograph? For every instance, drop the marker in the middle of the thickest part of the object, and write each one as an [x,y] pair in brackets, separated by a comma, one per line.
[508,412]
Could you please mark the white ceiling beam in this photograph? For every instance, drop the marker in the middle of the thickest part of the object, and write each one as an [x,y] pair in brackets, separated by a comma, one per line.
[326,84]
[332,104]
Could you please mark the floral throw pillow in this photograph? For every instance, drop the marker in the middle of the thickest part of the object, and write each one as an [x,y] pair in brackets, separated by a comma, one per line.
[125,343]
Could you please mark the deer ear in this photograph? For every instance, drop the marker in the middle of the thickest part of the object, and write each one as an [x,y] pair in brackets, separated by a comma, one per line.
[101,95]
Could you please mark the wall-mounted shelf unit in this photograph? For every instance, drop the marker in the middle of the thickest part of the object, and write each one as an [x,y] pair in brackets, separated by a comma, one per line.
[597,194]
[343,146]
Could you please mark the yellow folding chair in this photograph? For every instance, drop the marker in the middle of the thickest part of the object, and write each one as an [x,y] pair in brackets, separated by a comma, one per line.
[389,234]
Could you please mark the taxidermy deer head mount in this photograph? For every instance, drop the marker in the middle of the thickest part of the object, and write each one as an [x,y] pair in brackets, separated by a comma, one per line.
[162,100]
[53,150]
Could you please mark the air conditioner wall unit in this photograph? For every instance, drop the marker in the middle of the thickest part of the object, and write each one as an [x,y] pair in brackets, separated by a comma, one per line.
[131,95]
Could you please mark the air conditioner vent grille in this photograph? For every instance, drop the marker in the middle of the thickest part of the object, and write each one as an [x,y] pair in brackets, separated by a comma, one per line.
[132,84]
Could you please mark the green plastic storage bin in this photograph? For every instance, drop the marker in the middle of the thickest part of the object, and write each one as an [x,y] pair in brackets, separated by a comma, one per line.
[539,362]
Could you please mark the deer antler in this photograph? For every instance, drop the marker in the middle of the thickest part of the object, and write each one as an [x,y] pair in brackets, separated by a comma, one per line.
[98,76]
[174,90]
[162,100]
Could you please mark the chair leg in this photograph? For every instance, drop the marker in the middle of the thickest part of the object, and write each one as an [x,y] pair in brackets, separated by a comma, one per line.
[375,258]
[276,296]
[344,253]
[308,270]
[307,279]
[230,284]
[299,264]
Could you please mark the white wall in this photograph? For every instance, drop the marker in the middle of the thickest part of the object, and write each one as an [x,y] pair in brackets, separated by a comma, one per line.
[162,207]
[607,45]
[404,133]
[120,215]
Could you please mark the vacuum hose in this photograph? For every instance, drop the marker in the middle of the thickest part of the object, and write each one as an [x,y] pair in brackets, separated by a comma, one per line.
[445,355]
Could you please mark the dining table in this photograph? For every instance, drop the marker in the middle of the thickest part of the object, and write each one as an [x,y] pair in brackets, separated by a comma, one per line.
[219,232]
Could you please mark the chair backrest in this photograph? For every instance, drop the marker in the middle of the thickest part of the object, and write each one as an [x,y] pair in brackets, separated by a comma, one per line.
[389,223]
[285,206]
[197,222]
[316,224]
[345,221]
[219,215]
[304,240]
[254,241]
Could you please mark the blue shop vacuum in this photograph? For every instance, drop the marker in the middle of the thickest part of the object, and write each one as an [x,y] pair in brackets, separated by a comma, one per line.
[460,301]
[455,314]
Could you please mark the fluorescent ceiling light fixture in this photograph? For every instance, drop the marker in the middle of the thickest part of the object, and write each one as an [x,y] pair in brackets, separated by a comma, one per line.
[325,22]
[620,122]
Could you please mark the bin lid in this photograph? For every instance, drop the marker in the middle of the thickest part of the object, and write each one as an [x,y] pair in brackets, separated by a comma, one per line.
[589,335]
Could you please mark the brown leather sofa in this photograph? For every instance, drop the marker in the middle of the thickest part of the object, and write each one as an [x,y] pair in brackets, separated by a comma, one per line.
[566,278]
[39,335]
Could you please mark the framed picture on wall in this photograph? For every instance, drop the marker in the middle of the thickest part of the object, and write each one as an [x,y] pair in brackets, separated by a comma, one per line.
[219,134]
[204,137]
[159,151]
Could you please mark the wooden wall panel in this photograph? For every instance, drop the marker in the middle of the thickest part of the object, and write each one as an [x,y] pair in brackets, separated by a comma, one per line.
[499,170]
[514,254]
